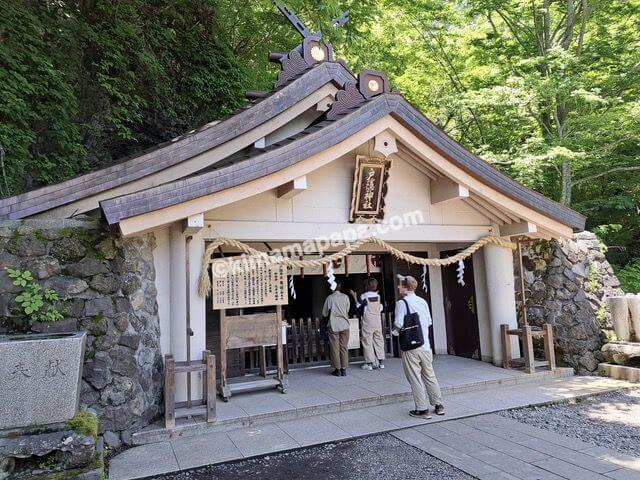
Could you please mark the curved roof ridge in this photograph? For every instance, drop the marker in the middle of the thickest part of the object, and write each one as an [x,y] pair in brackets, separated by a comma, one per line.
[321,136]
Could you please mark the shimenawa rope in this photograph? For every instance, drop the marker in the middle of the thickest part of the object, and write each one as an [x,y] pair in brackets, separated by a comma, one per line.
[204,283]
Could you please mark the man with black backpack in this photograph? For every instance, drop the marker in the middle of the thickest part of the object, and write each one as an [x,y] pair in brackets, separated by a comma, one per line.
[412,322]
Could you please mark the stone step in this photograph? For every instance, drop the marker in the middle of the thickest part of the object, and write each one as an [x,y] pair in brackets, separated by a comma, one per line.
[190,427]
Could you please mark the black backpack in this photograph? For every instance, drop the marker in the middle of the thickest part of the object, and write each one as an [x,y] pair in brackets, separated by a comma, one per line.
[411,336]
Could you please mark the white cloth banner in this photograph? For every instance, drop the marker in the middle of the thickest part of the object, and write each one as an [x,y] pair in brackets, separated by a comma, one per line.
[357,264]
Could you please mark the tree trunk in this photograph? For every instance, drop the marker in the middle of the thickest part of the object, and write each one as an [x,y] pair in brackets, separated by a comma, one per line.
[567,182]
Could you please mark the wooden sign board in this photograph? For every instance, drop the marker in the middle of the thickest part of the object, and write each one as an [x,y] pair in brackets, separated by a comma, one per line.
[257,330]
[369,189]
[254,284]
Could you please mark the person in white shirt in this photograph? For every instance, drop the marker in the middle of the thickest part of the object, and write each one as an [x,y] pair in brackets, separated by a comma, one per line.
[370,309]
[418,363]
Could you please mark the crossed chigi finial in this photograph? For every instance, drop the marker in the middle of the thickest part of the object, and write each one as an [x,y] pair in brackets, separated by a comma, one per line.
[299,26]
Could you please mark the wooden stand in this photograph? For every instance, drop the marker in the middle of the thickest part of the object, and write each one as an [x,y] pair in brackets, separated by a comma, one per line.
[191,408]
[526,335]
[245,331]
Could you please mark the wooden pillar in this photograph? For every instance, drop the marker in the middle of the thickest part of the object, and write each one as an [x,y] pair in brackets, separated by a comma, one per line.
[169,392]
[506,346]
[279,342]
[210,388]
[205,355]
[549,350]
[262,352]
[527,346]
[223,349]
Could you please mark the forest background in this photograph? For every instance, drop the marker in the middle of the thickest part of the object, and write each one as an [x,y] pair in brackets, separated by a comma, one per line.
[546,90]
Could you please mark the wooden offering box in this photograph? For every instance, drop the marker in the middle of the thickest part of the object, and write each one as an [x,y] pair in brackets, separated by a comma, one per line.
[246,331]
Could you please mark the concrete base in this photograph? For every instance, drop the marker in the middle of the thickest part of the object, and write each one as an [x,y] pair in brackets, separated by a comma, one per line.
[278,435]
[619,372]
[314,392]
[50,452]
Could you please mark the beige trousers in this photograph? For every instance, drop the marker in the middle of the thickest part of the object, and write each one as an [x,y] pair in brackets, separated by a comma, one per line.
[339,348]
[372,343]
[418,368]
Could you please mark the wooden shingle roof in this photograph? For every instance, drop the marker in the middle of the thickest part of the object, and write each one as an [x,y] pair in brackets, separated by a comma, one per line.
[322,136]
[179,149]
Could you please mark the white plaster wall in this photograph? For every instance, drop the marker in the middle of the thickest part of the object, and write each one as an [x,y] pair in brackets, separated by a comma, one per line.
[457,212]
[408,190]
[328,199]
[484,322]
[501,299]
[162,264]
[179,309]
[328,194]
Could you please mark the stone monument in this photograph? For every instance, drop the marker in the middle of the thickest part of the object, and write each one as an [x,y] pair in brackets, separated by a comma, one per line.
[40,378]
[623,355]
[42,431]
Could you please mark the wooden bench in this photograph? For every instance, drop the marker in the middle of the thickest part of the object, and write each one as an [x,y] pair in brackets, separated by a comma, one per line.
[526,334]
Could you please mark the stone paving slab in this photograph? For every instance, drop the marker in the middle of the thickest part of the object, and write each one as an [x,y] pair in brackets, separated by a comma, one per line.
[360,422]
[620,459]
[624,474]
[568,470]
[262,439]
[144,461]
[453,438]
[196,451]
[313,431]
[522,451]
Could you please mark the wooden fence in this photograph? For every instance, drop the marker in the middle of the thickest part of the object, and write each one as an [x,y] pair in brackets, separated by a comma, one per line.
[305,346]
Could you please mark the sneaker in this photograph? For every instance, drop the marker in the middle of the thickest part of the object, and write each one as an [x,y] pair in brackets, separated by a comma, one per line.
[343,372]
[420,414]
[336,373]
[366,366]
[381,365]
[439,410]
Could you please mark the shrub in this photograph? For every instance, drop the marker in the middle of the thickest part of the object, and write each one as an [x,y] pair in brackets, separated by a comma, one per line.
[34,302]
[629,276]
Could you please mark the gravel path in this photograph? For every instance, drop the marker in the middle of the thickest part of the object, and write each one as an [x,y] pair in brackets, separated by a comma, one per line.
[610,420]
[376,457]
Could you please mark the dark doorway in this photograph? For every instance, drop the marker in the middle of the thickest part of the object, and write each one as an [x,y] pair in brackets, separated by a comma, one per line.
[305,346]
[393,268]
[463,335]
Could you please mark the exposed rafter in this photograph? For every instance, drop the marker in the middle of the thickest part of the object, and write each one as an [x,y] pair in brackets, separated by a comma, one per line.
[492,208]
[521,228]
[418,165]
[409,154]
[479,208]
[193,224]
[292,188]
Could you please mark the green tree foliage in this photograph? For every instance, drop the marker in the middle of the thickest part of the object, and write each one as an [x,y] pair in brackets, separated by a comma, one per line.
[546,90]
[86,82]
[39,133]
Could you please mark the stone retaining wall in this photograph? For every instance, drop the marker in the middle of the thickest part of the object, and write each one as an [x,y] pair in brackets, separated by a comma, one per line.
[567,282]
[113,296]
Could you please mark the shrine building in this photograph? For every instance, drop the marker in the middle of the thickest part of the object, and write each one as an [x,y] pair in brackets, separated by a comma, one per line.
[328,156]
